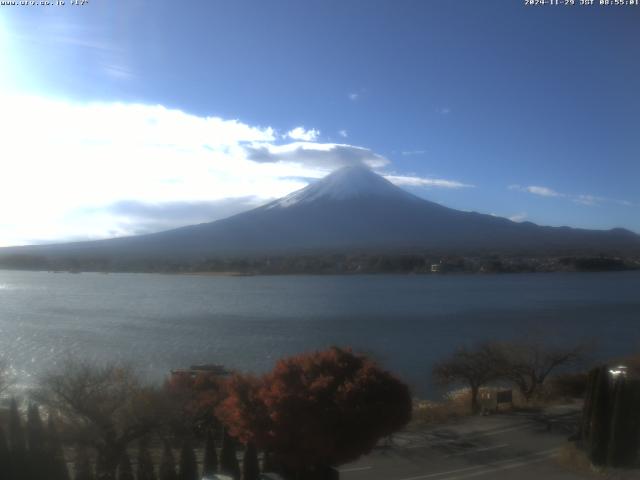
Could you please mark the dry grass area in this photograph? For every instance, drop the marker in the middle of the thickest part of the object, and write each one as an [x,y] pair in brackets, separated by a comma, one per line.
[541,401]
[427,413]
[574,459]
[455,405]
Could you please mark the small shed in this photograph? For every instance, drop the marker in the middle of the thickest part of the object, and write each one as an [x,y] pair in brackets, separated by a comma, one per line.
[491,400]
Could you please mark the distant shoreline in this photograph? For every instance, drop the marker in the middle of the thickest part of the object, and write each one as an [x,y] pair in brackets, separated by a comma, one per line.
[331,264]
[213,274]
[314,274]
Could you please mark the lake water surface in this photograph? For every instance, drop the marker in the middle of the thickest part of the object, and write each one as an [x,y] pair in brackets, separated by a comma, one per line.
[406,322]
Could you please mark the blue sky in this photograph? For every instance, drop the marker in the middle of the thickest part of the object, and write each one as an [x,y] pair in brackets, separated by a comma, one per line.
[123,117]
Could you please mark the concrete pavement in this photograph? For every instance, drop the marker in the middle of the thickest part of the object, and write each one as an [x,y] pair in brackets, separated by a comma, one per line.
[501,447]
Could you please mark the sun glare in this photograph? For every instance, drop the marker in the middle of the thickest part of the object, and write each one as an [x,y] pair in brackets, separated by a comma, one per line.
[5,55]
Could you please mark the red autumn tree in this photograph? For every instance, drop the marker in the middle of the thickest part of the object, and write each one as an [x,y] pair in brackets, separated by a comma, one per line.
[316,410]
[243,411]
[195,397]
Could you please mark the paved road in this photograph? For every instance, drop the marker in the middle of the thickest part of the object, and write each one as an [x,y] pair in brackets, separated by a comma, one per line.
[501,447]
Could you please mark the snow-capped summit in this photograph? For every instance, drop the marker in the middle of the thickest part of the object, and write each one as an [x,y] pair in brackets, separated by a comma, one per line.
[354,181]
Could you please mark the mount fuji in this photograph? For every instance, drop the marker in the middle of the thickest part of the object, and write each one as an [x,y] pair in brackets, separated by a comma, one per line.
[351,209]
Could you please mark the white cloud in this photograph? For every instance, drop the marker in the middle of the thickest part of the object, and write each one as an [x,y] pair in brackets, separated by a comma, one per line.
[354,96]
[536,190]
[542,191]
[581,199]
[413,181]
[445,111]
[518,217]
[343,133]
[96,170]
[299,133]
[153,217]
[589,200]
[324,156]
[67,38]
[407,153]
[118,72]
[65,163]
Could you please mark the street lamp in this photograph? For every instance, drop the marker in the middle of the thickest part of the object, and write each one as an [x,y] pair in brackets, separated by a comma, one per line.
[618,372]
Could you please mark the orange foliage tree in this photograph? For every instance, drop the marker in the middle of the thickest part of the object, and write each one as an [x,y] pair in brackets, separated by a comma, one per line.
[194,398]
[318,409]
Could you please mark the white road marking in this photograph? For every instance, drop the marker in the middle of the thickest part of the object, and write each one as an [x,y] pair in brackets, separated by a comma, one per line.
[503,467]
[485,449]
[466,436]
[495,432]
[355,469]
[507,462]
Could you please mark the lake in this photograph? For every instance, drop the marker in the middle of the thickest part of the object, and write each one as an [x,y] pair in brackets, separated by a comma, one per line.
[407,322]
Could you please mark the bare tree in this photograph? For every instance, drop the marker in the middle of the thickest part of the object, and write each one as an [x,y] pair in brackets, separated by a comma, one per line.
[103,407]
[528,363]
[474,367]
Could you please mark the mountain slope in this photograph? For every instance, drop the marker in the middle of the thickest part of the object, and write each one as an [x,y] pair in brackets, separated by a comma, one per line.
[350,209]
